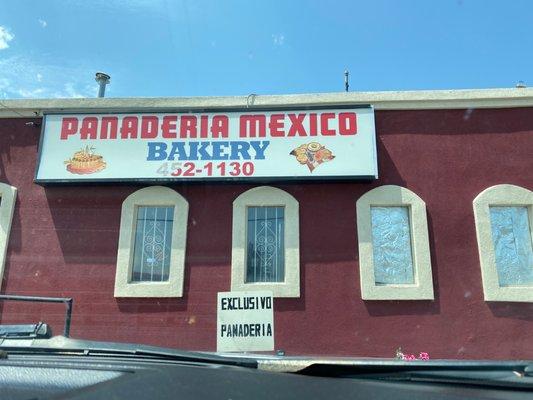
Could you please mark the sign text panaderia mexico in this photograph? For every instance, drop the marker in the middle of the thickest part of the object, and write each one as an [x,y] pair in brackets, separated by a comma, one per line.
[301,144]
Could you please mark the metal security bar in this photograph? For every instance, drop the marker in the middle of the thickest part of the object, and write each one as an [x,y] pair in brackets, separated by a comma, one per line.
[265,247]
[66,300]
[153,242]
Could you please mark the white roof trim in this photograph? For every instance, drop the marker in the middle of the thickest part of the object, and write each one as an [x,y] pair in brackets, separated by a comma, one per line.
[391,100]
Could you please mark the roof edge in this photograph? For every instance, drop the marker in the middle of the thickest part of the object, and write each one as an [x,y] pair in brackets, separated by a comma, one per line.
[385,100]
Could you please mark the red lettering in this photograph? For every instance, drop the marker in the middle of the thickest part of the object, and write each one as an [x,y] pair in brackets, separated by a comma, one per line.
[297,127]
[276,123]
[312,125]
[252,125]
[168,127]
[89,128]
[203,126]
[69,126]
[347,123]
[324,124]
[220,126]
[149,126]
[188,126]
[129,128]
[109,128]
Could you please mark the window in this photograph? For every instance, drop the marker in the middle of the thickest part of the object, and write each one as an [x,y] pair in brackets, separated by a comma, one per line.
[394,259]
[391,245]
[151,254]
[511,238]
[7,206]
[266,250]
[153,240]
[504,217]
[265,244]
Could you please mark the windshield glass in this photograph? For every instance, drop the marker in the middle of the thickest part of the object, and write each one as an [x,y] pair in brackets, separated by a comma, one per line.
[294,178]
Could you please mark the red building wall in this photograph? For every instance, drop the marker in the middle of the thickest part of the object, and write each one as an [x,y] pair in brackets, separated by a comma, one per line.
[64,243]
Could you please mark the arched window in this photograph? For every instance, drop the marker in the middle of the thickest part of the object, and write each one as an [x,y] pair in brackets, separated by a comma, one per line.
[151,250]
[266,242]
[394,258]
[504,217]
[7,206]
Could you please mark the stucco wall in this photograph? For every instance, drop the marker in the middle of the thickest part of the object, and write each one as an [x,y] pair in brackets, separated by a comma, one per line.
[64,243]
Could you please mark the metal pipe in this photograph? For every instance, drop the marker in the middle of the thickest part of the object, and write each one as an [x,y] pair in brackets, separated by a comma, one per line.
[103,80]
[68,315]
[346,83]
[67,300]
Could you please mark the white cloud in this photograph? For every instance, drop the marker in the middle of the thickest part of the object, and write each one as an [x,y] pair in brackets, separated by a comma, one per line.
[5,37]
[4,85]
[278,39]
[21,76]
[31,94]
[71,91]
[43,23]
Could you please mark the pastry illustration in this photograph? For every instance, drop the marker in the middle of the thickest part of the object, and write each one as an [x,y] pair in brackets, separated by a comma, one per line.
[85,161]
[312,154]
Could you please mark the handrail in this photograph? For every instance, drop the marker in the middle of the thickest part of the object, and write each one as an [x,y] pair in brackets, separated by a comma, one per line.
[67,300]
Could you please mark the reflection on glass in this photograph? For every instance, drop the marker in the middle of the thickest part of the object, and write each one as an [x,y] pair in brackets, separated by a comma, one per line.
[153,238]
[511,236]
[265,261]
[391,244]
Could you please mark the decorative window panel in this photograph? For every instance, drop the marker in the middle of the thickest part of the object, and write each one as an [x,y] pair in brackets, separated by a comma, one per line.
[153,238]
[511,237]
[265,259]
[504,218]
[151,248]
[391,245]
[265,251]
[394,258]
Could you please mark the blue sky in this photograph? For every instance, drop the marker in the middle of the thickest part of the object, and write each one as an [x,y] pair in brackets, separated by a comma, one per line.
[159,48]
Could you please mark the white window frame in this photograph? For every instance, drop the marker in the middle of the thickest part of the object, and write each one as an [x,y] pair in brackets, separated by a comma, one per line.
[151,196]
[394,196]
[266,196]
[8,195]
[499,195]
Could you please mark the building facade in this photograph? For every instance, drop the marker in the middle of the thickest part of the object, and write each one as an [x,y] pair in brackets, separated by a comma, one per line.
[432,256]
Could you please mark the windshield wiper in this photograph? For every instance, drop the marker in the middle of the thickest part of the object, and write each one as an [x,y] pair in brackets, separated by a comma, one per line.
[60,345]
[517,375]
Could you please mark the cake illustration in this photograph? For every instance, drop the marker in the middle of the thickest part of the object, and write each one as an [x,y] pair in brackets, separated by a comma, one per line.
[85,162]
[312,154]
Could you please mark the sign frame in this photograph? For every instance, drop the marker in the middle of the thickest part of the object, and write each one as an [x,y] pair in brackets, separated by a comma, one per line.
[214,180]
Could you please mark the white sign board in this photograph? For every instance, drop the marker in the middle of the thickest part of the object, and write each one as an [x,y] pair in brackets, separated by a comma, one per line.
[245,321]
[290,144]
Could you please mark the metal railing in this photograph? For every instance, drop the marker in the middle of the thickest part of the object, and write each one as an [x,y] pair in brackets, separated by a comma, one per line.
[66,300]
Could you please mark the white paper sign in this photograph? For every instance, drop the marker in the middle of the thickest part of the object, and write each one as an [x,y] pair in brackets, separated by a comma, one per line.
[288,144]
[245,321]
